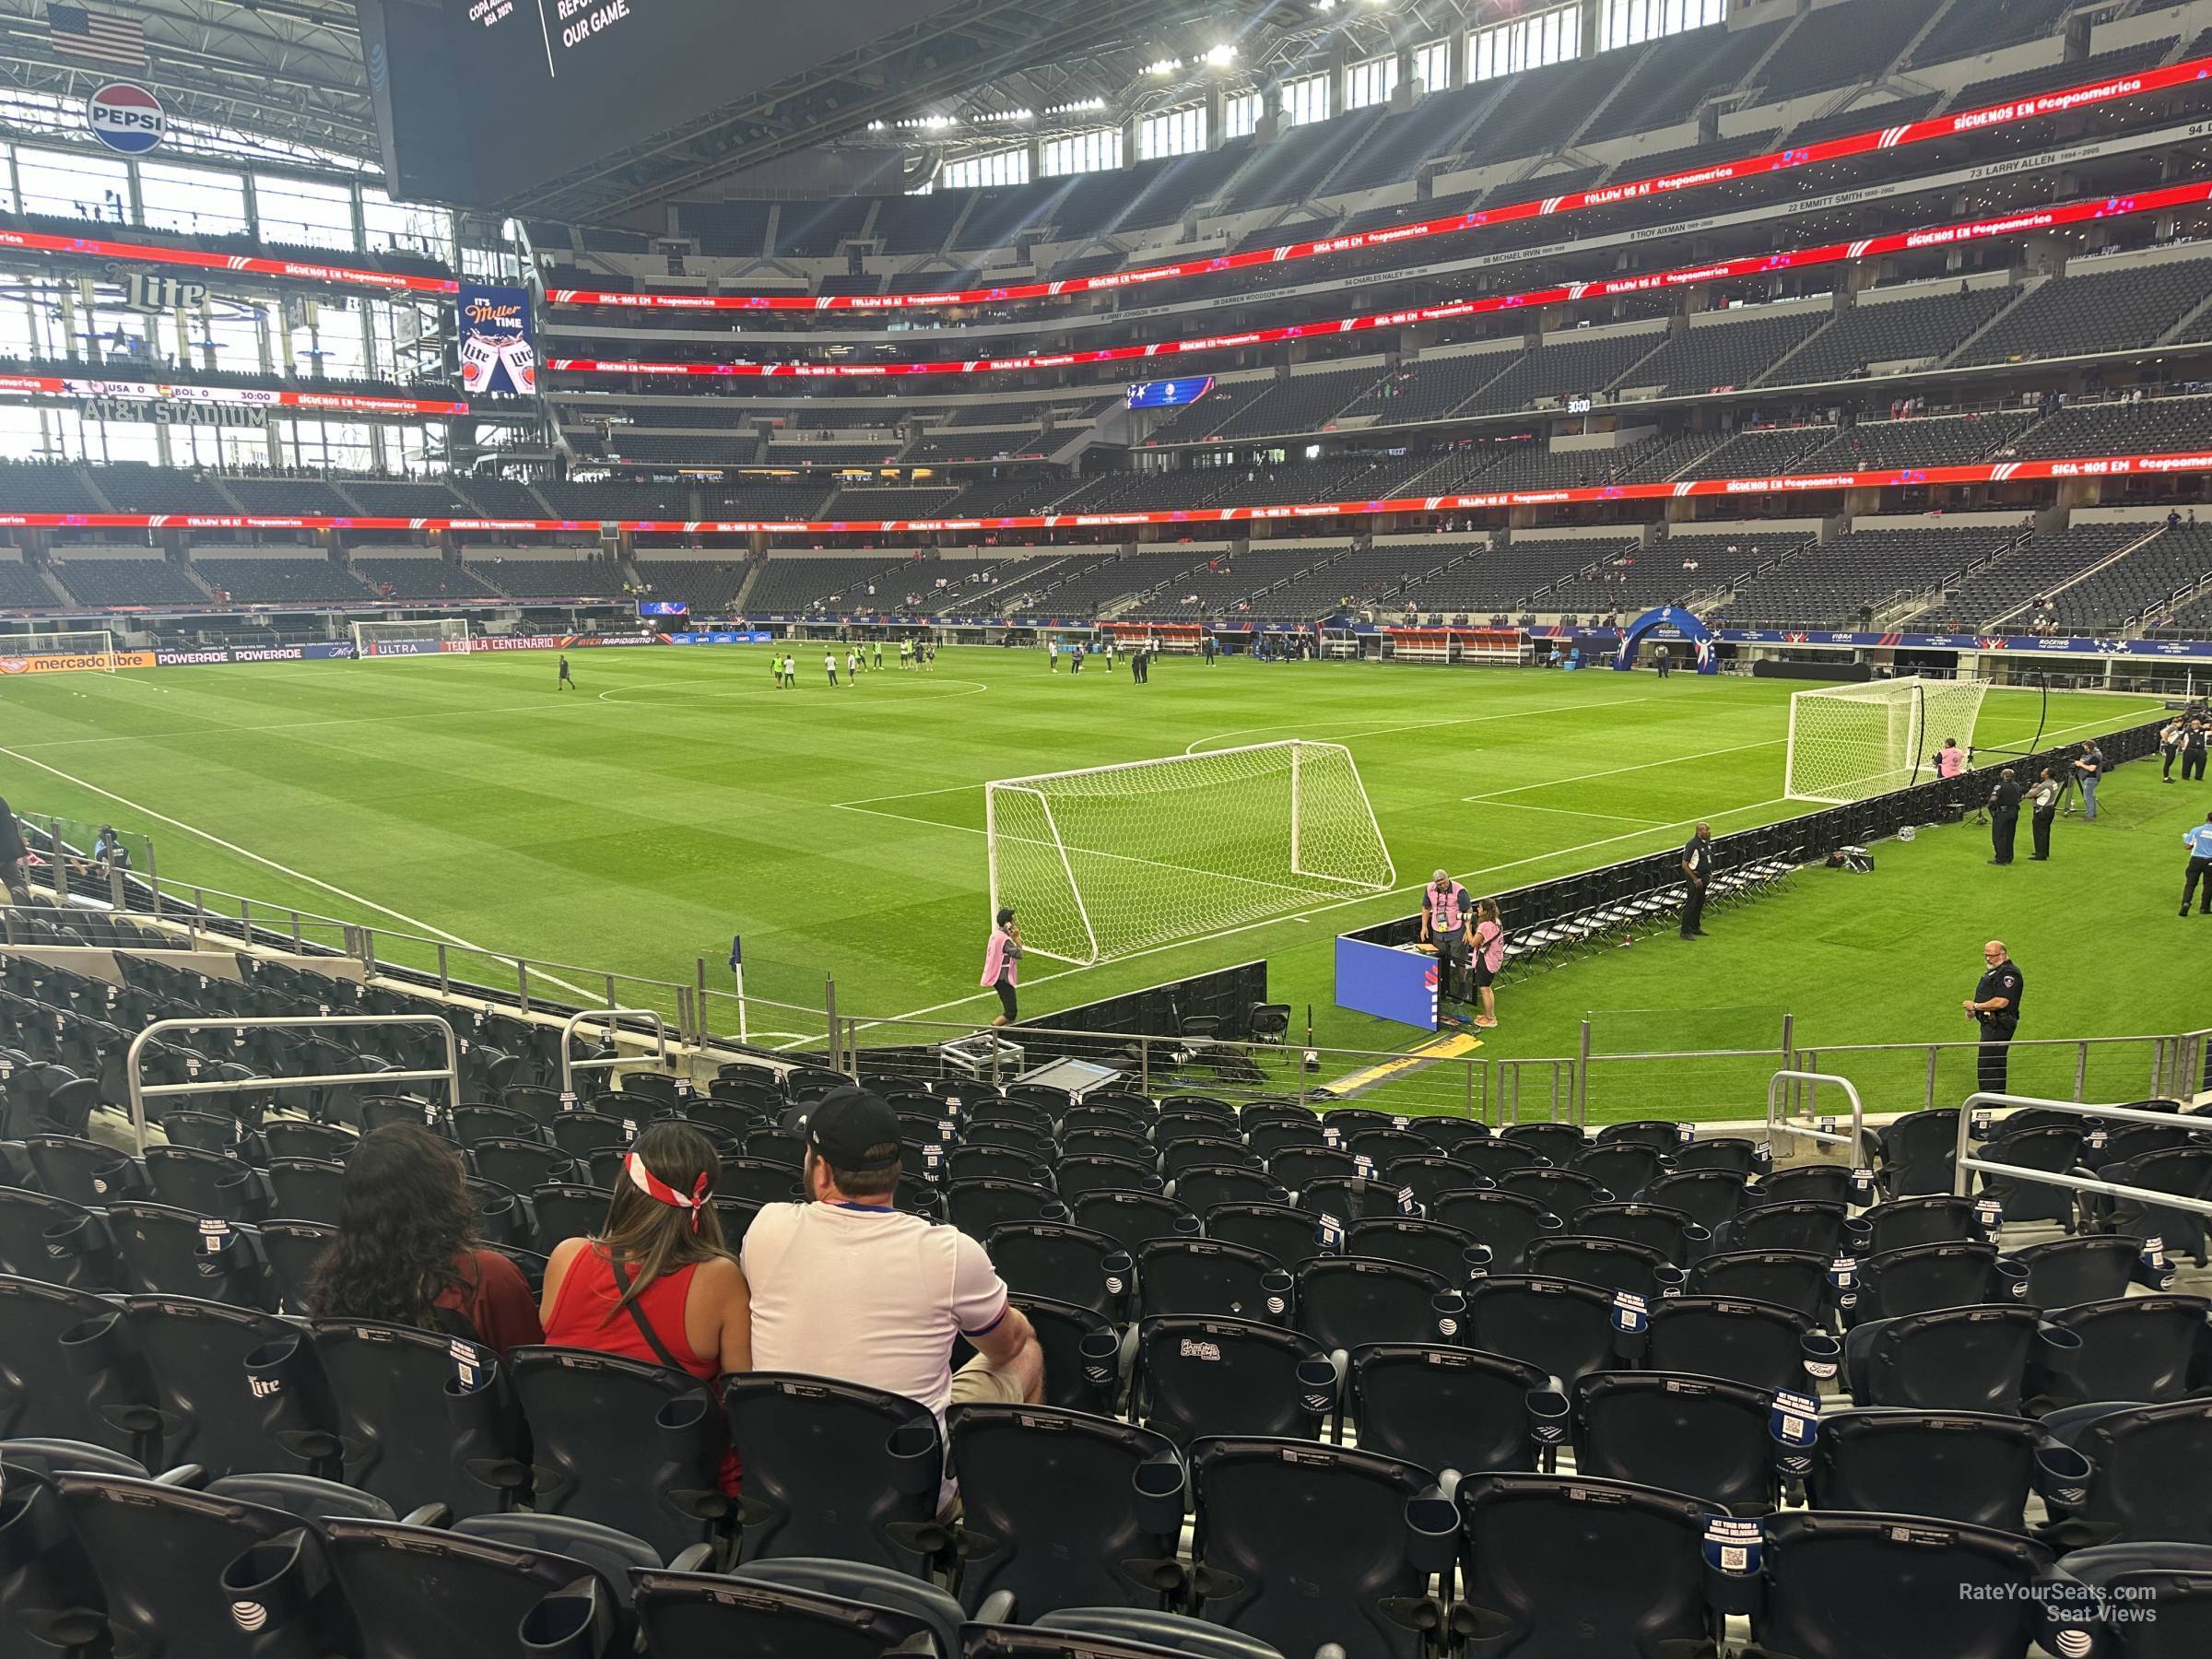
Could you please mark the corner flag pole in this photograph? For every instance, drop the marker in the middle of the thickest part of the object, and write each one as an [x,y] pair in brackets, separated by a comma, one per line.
[737,972]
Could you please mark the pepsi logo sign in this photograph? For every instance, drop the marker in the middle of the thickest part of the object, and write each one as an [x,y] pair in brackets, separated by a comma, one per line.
[125,116]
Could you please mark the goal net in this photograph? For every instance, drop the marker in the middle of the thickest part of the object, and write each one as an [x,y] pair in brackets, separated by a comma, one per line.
[89,650]
[1850,742]
[1102,862]
[428,637]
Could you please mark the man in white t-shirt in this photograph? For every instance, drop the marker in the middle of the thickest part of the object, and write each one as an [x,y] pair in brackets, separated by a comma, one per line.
[848,1288]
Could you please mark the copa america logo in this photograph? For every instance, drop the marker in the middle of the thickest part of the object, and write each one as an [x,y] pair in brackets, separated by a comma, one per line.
[125,116]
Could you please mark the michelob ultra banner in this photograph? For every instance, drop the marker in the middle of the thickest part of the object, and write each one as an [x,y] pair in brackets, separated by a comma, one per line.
[499,350]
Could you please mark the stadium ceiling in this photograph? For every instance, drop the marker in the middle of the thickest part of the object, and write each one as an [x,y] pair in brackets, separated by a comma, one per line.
[289,69]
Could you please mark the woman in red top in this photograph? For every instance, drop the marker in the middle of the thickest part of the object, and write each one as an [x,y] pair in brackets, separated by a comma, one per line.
[406,1250]
[657,1284]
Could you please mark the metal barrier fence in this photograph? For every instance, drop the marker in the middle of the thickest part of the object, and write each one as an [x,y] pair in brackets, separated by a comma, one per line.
[1783,1084]
[1967,1165]
[570,1065]
[142,1091]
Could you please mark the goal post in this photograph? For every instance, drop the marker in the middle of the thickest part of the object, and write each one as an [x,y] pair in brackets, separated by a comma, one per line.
[431,636]
[1104,862]
[1848,743]
[91,650]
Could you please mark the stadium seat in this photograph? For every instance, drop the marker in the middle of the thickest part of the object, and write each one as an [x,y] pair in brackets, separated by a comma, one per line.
[1197,1377]
[1824,1228]
[2133,1347]
[1755,1343]
[1301,1546]
[174,1565]
[163,1251]
[306,1189]
[1506,1223]
[1702,1435]
[977,1206]
[291,1250]
[2185,1171]
[55,1241]
[1070,1265]
[2062,1271]
[1084,1369]
[1428,1176]
[1814,1182]
[1970,1358]
[1347,1302]
[1613,1264]
[576,1134]
[1918,1277]
[1931,1220]
[633,1446]
[1562,1191]
[1495,1160]
[1296,1168]
[1525,1579]
[83,1171]
[1446,1252]
[1135,1217]
[1060,1508]
[1563,1326]
[1558,1144]
[1732,1152]
[1917,1153]
[1211,1276]
[51,1600]
[999,1163]
[1626,1167]
[199,1409]
[44,1394]
[2052,1147]
[1205,1187]
[2159,1598]
[421,1417]
[1111,1141]
[792,1609]
[1906,1588]
[1711,1199]
[835,1469]
[2150,1466]
[1796,1279]
[1453,1408]
[1971,1466]
[1276,1230]
[1111,1634]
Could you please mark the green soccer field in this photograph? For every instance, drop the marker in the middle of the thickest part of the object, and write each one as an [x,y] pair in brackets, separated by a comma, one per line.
[677,797]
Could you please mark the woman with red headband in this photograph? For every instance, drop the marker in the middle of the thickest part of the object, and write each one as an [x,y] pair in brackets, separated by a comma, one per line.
[657,1284]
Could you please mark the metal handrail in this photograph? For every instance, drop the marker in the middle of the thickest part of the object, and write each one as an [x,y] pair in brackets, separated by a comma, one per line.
[141,1091]
[1962,1177]
[570,1065]
[1778,1085]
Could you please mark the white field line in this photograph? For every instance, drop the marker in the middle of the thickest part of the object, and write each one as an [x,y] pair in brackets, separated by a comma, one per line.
[1337,905]
[1301,727]
[299,876]
[1616,771]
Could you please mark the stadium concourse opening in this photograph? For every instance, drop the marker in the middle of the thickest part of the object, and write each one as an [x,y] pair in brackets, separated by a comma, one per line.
[663,667]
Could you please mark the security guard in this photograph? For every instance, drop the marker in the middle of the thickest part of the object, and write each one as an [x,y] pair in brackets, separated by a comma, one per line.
[1995,1005]
[2004,817]
[2194,742]
[2200,865]
[1697,870]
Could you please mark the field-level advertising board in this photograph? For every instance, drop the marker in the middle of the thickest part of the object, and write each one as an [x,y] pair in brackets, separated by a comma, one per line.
[1848,743]
[1104,862]
[92,650]
[433,636]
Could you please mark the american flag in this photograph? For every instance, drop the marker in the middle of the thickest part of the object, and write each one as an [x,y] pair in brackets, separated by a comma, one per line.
[96,37]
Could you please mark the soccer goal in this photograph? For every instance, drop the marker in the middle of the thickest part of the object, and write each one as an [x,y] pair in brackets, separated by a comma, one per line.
[1848,743]
[1103,863]
[92,649]
[428,637]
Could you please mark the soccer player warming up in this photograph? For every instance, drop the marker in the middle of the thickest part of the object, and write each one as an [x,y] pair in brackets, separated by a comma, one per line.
[830,662]
[566,681]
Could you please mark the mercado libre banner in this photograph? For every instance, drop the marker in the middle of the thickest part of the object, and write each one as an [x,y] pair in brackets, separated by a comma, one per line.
[2055,102]
[1999,472]
[73,662]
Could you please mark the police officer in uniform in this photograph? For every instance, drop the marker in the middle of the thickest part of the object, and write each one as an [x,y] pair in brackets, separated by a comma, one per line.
[2200,863]
[2194,742]
[1995,1007]
[1697,870]
[2004,817]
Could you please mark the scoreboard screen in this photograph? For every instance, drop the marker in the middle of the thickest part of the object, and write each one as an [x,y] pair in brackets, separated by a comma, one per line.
[480,101]
[1169,394]
[663,607]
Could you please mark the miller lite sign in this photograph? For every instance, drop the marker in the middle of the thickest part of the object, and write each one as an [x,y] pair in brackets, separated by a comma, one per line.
[125,116]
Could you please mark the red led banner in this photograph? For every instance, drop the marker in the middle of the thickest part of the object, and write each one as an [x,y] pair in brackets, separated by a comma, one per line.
[340,403]
[2085,96]
[36,242]
[2022,223]
[2001,471]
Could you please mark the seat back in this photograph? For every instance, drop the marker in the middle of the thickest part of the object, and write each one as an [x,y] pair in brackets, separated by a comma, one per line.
[1613,1264]
[421,1416]
[1207,1277]
[1198,1377]
[1796,1280]
[707,1615]
[1918,1277]
[1506,1222]
[1970,1358]
[1974,1467]
[1431,1246]
[1082,1353]
[1452,1408]
[1133,1217]
[2168,1588]
[1276,1230]
[2062,1271]
[1917,1153]
[291,1249]
[1625,1167]
[1753,1343]
[1710,1197]
[1346,1302]
[1208,1185]
[1794,1224]
[55,1240]
[1903,1587]
[1562,1191]
[2133,1347]
[1932,1219]
[2149,1462]
[1563,1326]
[200,1410]
[1301,1546]
[1064,1508]
[1068,1264]
[634,1446]
[977,1206]
[1705,1436]
[44,1393]
[1495,1160]
[167,1252]
[1525,1582]
[1557,1143]
[420,1593]
[833,1469]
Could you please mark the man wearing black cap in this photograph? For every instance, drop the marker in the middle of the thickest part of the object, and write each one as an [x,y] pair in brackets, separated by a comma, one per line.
[847,1287]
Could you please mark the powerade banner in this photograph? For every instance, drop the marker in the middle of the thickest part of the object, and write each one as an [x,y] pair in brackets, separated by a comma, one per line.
[499,345]
[251,653]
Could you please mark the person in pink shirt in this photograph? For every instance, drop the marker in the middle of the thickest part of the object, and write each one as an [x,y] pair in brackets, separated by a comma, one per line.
[1951,759]
[1002,964]
[1490,959]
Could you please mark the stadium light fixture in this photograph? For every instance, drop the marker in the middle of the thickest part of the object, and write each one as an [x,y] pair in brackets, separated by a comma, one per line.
[1221,55]
[1167,65]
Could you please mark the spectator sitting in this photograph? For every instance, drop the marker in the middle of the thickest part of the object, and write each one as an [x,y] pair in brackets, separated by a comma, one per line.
[847,1287]
[406,1251]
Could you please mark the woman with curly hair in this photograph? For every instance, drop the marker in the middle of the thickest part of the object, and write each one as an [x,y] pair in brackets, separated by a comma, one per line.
[406,1250]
